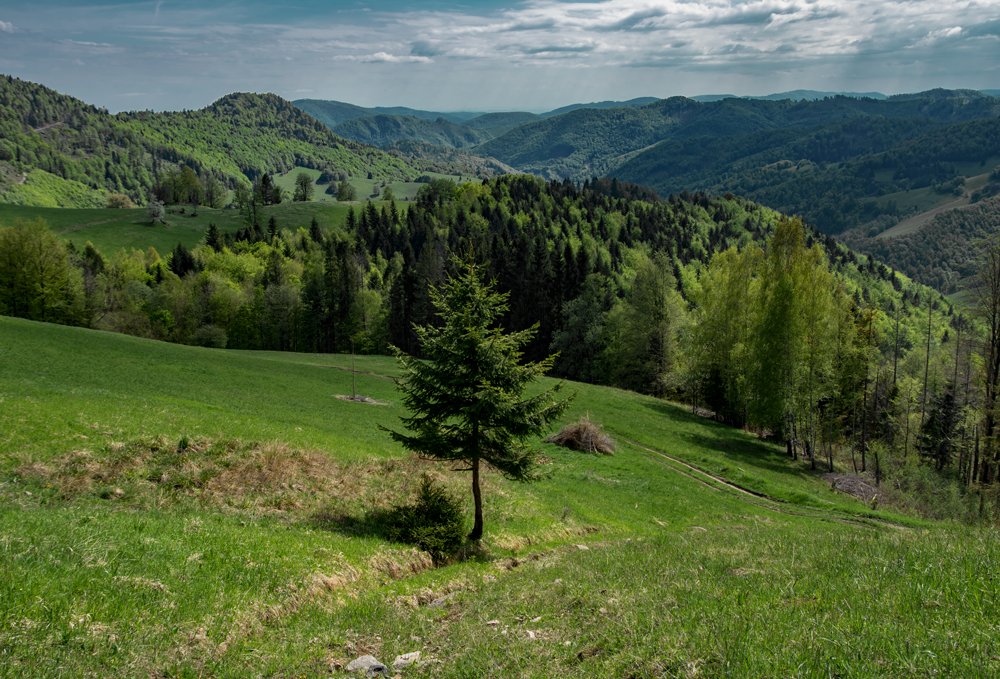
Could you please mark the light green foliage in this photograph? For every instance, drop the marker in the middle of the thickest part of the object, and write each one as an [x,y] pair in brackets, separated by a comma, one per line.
[47,190]
[303,187]
[36,281]
[643,330]
[346,192]
[773,335]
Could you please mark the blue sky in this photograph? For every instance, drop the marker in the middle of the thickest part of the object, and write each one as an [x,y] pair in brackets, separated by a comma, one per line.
[479,56]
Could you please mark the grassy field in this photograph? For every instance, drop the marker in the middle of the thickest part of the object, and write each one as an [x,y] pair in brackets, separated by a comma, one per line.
[110,230]
[929,203]
[179,512]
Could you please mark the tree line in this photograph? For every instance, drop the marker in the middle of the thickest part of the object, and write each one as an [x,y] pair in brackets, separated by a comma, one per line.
[742,312]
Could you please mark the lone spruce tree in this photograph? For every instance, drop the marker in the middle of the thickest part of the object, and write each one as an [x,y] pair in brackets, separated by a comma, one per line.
[467,402]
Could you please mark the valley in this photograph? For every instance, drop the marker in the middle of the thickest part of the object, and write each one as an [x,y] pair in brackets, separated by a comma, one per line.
[768,304]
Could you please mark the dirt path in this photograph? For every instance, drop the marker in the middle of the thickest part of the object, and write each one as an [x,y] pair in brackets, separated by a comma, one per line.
[24,177]
[756,499]
[45,127]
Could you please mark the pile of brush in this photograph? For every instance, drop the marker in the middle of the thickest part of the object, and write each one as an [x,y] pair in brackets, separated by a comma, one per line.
[585,436]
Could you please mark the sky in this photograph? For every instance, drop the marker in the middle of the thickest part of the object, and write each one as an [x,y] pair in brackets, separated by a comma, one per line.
[494,55]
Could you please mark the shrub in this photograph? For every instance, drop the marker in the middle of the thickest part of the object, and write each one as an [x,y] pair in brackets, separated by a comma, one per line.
[155,211]
[433,522]
[119,200]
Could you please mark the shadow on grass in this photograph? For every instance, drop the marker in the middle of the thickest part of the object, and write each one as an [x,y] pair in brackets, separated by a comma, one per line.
[730,442]
[373,524]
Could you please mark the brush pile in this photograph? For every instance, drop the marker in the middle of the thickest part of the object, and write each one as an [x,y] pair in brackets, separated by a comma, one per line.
[585,436]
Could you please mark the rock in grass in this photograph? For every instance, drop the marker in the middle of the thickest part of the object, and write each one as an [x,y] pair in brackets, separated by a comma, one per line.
[369,665]
[405,660]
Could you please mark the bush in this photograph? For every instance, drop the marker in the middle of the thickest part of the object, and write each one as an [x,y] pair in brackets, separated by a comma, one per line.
[433,522]
[119,200]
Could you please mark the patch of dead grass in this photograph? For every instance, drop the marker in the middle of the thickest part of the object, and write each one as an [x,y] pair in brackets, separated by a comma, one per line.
[585,436]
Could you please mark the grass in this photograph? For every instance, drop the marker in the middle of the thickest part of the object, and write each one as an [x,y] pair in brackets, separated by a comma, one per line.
[44,189]
[176,511]
[929,203]
[111,230]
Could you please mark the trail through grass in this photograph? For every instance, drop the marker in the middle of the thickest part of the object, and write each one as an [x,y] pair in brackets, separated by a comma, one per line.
[177,511]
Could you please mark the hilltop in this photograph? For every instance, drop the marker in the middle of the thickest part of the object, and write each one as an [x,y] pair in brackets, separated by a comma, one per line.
[58,151]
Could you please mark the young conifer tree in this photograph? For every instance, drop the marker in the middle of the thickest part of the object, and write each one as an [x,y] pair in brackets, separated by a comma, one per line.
[467,402]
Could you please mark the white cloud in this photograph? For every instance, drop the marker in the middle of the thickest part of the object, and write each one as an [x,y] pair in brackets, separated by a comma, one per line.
[383,58]
[7,27]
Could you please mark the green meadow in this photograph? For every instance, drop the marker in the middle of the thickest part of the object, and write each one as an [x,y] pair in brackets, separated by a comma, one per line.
[110,230]
[176,511]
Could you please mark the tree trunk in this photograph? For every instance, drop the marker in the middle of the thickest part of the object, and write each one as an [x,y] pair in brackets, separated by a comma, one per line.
[477,495]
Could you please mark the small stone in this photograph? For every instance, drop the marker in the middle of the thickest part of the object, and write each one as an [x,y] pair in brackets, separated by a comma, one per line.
[405,660]
[531,635]
[119,492]
[369,665]
[28,493]
[536,619]
[493,622]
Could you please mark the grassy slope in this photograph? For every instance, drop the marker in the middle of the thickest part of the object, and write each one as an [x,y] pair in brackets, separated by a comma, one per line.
[110,230]
[680,575]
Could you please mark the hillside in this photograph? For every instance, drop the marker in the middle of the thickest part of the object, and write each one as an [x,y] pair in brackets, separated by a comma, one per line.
[838,176]
[332,113]
[493,120]
[590,142]
[379,130]
[231,532]
[236,138]
[438,156]
[943,253]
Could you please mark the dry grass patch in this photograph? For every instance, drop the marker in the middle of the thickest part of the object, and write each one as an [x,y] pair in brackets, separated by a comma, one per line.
[585,436]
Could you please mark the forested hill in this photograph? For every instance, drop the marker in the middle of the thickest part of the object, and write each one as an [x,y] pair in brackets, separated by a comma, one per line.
[381,129]
[589,142]
[606,269]
[238,137]
[851,174]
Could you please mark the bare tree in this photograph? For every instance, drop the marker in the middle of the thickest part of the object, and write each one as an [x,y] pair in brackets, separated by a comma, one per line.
[985,293]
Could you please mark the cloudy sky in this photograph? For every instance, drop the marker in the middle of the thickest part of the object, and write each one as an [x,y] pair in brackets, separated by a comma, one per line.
[493,55]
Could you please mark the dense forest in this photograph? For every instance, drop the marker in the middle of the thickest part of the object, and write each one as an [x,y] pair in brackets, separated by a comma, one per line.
[236,139]
[718,301]
[832,175]
[592,141]
[944,253]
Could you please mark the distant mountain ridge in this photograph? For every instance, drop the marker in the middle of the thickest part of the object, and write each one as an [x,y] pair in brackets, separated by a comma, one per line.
[794,95]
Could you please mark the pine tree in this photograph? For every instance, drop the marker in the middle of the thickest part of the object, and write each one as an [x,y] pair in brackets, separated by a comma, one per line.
[467,402]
